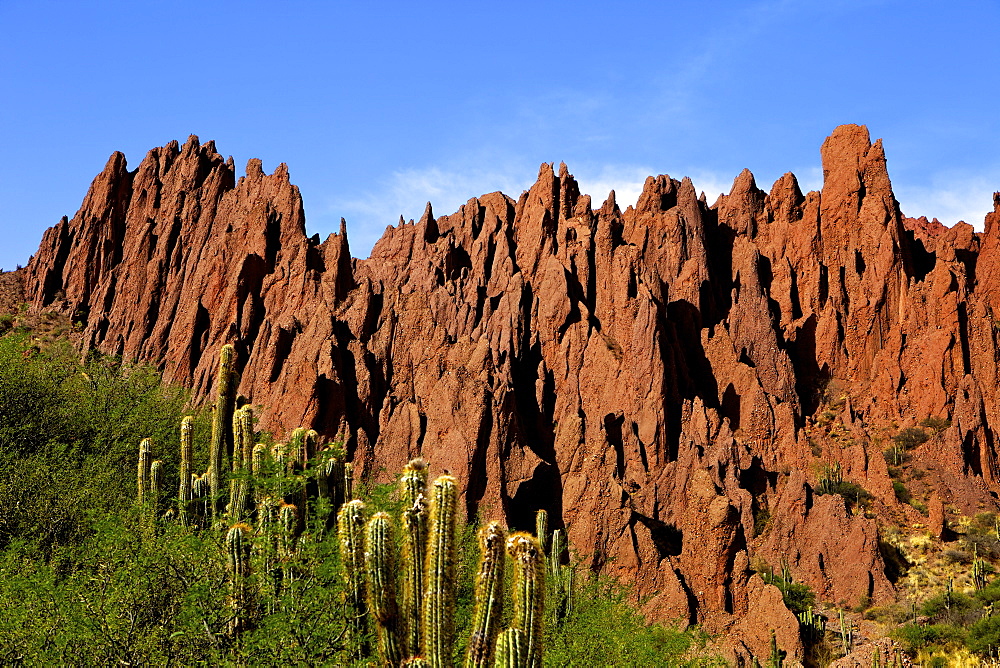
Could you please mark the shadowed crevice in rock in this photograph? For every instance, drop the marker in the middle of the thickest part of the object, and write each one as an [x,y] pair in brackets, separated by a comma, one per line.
[594,362]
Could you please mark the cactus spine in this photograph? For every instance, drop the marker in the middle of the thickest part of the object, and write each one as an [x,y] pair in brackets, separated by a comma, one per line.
[542,528]
[529,592]
[155,487]
[413,486]
[381,572]
[350,530]
[511,650]
[488,596]
[777,658]
[238,552]
[222,421]
[184,494]
[439,623]
[239,484]
[143,482]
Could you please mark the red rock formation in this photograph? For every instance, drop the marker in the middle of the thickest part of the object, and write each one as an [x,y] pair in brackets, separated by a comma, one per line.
[648,376]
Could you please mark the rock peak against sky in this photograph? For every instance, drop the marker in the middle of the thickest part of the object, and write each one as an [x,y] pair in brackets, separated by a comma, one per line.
[378,109]
[657,378]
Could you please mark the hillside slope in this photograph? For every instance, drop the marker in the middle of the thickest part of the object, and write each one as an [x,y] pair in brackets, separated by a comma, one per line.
[669,381]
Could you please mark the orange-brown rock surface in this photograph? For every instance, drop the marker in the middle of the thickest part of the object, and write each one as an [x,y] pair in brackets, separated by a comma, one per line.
[650,376]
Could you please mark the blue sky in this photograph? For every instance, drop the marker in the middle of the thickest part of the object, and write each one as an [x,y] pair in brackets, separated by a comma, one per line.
[378,108]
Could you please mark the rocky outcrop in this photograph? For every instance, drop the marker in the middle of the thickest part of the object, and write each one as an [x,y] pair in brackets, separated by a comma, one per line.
[651,376]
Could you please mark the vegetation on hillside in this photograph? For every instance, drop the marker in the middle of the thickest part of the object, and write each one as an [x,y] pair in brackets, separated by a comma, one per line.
[88,574]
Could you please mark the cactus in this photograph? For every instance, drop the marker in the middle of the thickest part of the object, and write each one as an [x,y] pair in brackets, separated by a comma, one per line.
[488,596]
[155,487]
[187,450]
[381,575]
[222,421]
[529,592]
[542,528]
[200,491]
[238,552]
[413,485]
[309,442]
[239,488]
[350,530]
[512,650]
[348,481]
[439,597]
[559,585]
[143,479]
[777,659]
[813,626]
[846,634]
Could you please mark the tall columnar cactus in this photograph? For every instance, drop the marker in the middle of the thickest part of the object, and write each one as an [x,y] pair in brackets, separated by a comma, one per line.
[155,486]
[350,531]
[348,481]
[488,596]
[238,553]
[297,447]
[239,484]
[309,442]
[187,452]
[777,658]
[529,592]
[380,569]
[143,478]
[558,577]
[512,649]
[439,623]
[222,421]
[413,487]
[542,528]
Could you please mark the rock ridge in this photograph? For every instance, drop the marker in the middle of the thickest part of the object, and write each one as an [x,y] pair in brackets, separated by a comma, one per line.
[653,377]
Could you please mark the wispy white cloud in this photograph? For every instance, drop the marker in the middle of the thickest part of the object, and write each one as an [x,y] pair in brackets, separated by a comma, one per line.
[406,192]
[951,198]
[625,180]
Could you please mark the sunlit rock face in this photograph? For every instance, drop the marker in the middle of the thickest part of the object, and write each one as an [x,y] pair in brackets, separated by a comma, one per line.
[652,377]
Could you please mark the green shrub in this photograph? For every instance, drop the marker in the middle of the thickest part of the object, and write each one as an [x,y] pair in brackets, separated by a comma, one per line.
[797,596]
[902,494]
[915,637]
[984,636]
[936,424]
[622,636]
[938,605]
[910,438]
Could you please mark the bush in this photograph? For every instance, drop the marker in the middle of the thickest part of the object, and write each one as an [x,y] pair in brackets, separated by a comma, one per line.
[936,424]
[916,637]
[936,606]
[605,630]
[984,635]
[910,438]
[797,597]
[902,494]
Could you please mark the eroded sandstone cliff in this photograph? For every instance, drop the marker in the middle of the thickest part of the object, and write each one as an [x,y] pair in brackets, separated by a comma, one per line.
[650,376]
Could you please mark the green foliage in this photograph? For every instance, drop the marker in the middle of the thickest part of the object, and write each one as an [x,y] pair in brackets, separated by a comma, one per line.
[605,629]
[68,435]
[935,424]
[902,493]
[797,596]
[910,438]
[931,637]
[984,636]
[86,572]
[944,602]
[831,481]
